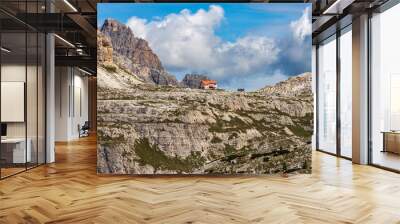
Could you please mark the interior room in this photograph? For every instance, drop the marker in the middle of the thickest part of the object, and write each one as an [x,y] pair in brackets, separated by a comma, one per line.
[199,111]
[23,96]
[385,89]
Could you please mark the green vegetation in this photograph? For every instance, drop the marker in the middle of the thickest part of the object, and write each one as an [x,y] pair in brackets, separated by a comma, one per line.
[215,140]
[306,120]
[274,153]
[229,149]
[178,112]
[299,131]
[204,113]
[277,111]
[235,124]
[107,140]
[151,155]
[110,68]
[230,153]
[233,135]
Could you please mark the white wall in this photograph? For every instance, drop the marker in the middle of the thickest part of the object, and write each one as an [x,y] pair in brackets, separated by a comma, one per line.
[70,84]
[81,89]
[33,126]
[62,82]
[11,73]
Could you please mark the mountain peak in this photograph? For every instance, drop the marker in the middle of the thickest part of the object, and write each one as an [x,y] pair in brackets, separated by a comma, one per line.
[113,24]
[134,54]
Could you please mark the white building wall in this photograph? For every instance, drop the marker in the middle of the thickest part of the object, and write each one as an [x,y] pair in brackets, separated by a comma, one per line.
[71,102]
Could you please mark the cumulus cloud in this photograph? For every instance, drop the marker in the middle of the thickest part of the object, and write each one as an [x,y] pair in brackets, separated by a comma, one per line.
[184,39]
[302,27]
[138,26]
[249,54]
[187,42]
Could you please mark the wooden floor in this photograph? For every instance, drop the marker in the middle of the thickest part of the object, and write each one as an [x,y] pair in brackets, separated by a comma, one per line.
[5,172]
[387,159]
[69,191]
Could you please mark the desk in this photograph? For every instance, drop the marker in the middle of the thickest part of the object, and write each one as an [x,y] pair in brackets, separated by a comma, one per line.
[391,141]
[13,150]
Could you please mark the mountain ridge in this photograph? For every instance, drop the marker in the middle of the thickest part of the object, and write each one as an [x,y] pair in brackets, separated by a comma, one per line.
[134,54]
[119,48]
[294,86]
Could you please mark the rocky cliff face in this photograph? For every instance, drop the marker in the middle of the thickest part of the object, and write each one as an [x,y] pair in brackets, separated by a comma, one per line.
[147,129]
[104,49]
[294,86]
[134,54]
[193,81]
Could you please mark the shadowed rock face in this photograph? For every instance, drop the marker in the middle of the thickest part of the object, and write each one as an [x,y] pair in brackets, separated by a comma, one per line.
[134,54]
[146,129]
[148,124]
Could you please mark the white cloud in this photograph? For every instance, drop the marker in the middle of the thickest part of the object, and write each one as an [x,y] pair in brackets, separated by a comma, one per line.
[187,40]
[138,26]
[249,54]
[302,27]
[182,40]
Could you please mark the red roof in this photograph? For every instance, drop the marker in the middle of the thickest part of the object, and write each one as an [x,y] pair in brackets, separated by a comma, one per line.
[208,82]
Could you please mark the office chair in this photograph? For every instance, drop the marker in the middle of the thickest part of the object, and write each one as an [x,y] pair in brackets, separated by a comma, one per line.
[84,130]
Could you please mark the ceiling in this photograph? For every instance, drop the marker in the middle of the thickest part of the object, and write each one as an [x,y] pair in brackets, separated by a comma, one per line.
[75,22]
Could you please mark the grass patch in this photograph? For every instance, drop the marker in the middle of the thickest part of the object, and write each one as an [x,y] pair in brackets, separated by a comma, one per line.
[299,131]
[230,153]
[110,68]
[151,155]
[233,135]
[215,140]
[235,124]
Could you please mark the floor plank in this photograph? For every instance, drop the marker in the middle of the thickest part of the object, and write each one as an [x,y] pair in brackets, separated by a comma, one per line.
[70,191]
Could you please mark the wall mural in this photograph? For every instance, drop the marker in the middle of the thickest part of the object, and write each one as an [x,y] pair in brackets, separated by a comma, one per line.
[204,88]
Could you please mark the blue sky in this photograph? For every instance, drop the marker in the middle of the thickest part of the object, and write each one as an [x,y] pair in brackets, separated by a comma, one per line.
[239,18]
[230,33]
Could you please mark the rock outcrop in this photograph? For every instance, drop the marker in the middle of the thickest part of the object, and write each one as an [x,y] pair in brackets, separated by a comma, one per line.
[104,49]
[294,86]
[193,81]
[134,54]
[146,129]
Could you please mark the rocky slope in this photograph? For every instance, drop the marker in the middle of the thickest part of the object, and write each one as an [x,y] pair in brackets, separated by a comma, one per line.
[148,129]
[134,54]
[295,86]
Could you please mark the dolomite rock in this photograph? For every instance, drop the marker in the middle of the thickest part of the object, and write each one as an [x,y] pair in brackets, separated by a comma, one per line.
[253,132]
[148,123]
[134,54]
[104,49]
